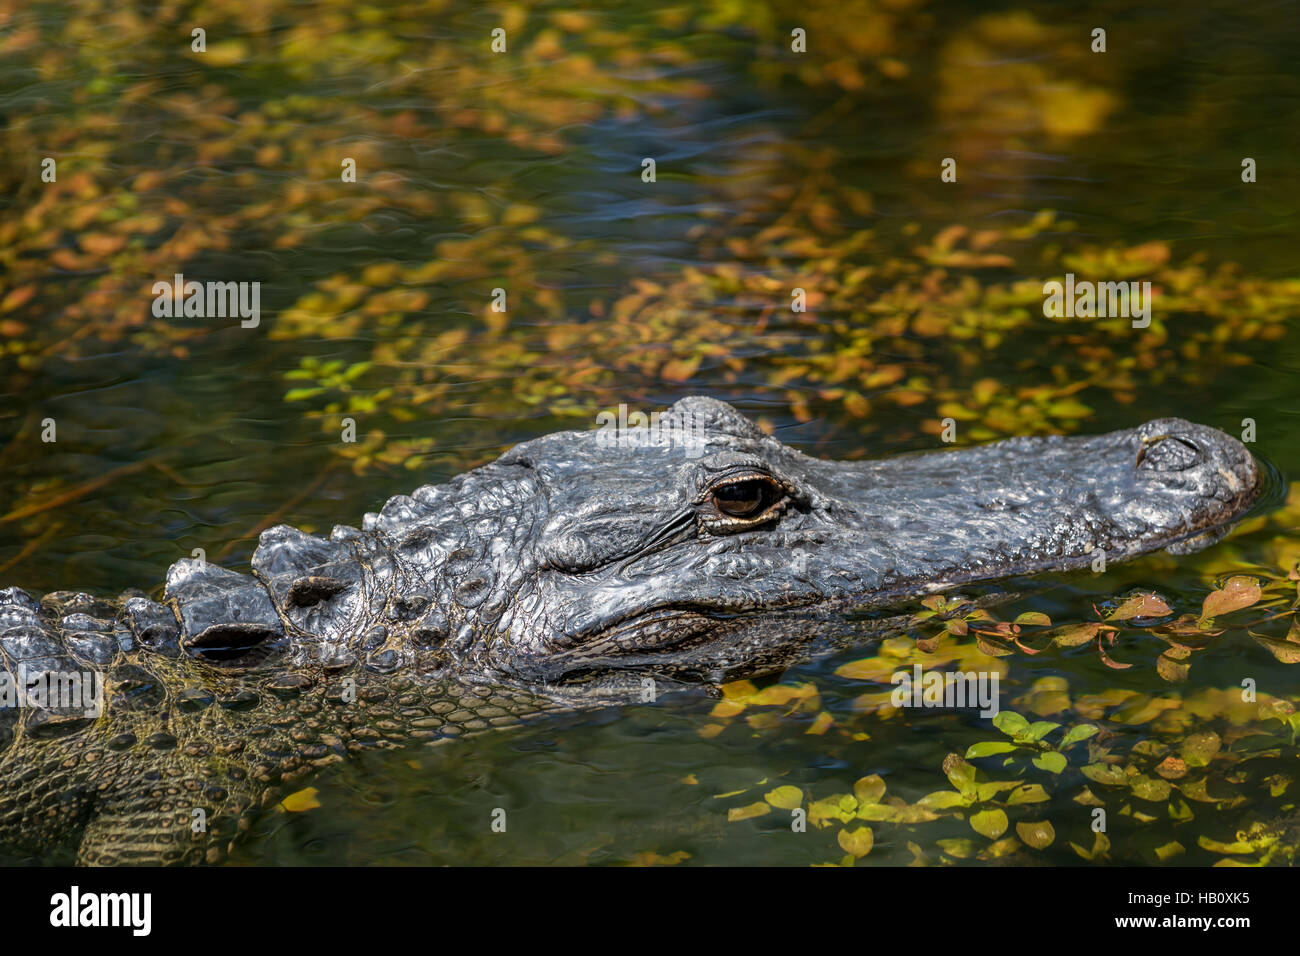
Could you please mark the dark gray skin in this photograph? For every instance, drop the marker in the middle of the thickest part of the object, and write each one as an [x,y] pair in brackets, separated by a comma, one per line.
[559,577]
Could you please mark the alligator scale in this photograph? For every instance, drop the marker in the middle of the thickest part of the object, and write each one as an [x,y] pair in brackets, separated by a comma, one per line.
[567,568]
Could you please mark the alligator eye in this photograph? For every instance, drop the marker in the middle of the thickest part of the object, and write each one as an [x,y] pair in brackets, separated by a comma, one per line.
[741,502]
[742,499]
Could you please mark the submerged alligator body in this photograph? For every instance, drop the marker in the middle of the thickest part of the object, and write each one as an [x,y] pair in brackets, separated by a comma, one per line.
[569,568]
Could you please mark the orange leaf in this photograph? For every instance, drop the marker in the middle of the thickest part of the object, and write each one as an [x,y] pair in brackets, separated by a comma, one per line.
[17,297]
[1238,592]
[1140,605]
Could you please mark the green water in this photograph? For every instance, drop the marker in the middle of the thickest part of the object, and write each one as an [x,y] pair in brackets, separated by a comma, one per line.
[523,171]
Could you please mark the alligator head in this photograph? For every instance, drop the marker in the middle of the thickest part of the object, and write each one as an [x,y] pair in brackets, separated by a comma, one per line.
[705,547]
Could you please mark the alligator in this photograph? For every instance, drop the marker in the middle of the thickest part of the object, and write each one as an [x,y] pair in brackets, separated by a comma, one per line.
[574,567]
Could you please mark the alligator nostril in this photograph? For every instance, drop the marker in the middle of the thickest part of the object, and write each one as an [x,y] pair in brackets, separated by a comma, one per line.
[1167,453]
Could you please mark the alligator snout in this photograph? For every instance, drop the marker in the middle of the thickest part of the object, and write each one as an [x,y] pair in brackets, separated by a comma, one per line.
[1197,459]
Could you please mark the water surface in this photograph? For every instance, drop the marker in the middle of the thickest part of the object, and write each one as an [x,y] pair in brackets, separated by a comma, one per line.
[775,170]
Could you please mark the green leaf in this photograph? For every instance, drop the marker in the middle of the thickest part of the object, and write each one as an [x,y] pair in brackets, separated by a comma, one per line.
[1287,652]
[959,848]
[1198,750]
[356,371]
[1072,635]
[1100,846]
[1027,793]
[990,789]
[876,812]
[960,774]
[1010,723]
[298,394]
[1105,773]
[1077,733]
[1051,761]
[1034,618]
[1214,846]
[988,748]
[1150,788]
[943,800]
[1039,729]
[989,823]
[1172,668]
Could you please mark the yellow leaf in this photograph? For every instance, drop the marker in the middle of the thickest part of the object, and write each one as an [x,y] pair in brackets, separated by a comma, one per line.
[869,789]
[226,53]
[1068,110]
[857,843]
[1169,850]
[17,297]
[821,724]
[1038,834]
[785,798]
[727,708]
[679,370]
[747,813]
[739,690]
[300,801]
[779,694]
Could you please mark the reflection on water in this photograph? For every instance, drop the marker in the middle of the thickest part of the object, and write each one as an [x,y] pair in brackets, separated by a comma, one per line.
[774,171]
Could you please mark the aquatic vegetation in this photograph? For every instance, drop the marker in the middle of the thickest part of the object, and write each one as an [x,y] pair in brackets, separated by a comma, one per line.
[1227,752]
[898,315]
[1027,742]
